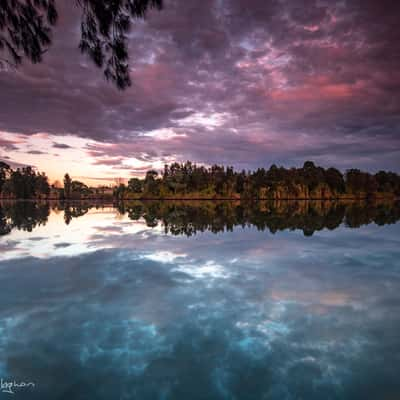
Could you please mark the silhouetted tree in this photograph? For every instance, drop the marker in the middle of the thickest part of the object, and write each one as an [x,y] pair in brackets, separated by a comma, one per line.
[358,181]
[388,182]
[42,185]
[187,179]
[119,192]
[26,28]
[22,183]
[150,182]
[67,186]
[334,179]
[4,172]
[135,185]
[79,188]
[312,175]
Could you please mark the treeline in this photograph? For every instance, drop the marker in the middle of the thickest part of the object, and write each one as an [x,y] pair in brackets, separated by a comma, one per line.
[24,183]
[189,218]
[188,180]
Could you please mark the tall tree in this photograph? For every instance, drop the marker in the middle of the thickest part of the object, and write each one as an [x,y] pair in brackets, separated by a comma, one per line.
[67,186]
[119,191]
[5,170]
[150,182]
[312,175]
[334,179]
[42,184]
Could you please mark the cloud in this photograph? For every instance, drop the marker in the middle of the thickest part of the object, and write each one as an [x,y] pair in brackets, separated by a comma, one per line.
[61,245]
[7,144]
[155,312]
[109,161]
[244,81]
[91,178]
[61,146]
[35,152]
[15,164]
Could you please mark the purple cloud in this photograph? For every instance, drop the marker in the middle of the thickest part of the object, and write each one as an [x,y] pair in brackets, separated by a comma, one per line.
[7,144]
[243,82]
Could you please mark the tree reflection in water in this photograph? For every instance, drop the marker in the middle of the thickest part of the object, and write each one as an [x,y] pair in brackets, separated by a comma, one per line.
[188,218]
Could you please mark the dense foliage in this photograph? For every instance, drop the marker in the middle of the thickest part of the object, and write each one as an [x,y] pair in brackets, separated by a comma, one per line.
[188,180]
[310,181]
[23,183]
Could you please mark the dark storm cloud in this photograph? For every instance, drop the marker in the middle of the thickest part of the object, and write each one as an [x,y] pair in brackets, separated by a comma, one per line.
[244,81]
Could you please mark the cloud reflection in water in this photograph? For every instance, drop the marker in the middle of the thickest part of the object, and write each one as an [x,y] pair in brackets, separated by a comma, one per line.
[126,311]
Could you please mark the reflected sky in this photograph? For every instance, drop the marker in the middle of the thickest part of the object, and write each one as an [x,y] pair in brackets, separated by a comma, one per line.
[107,307]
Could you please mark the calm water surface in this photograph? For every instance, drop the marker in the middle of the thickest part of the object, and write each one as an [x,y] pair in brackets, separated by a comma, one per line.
[128,304]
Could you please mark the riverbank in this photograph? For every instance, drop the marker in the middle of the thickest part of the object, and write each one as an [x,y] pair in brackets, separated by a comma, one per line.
[344,198]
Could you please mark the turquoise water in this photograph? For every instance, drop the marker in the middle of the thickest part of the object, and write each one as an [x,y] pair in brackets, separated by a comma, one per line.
[108,307]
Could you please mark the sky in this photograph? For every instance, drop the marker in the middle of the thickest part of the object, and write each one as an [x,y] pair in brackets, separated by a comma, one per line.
[245,83]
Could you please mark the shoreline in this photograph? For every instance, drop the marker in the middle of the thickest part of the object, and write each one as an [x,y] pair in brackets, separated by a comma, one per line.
[114,200]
